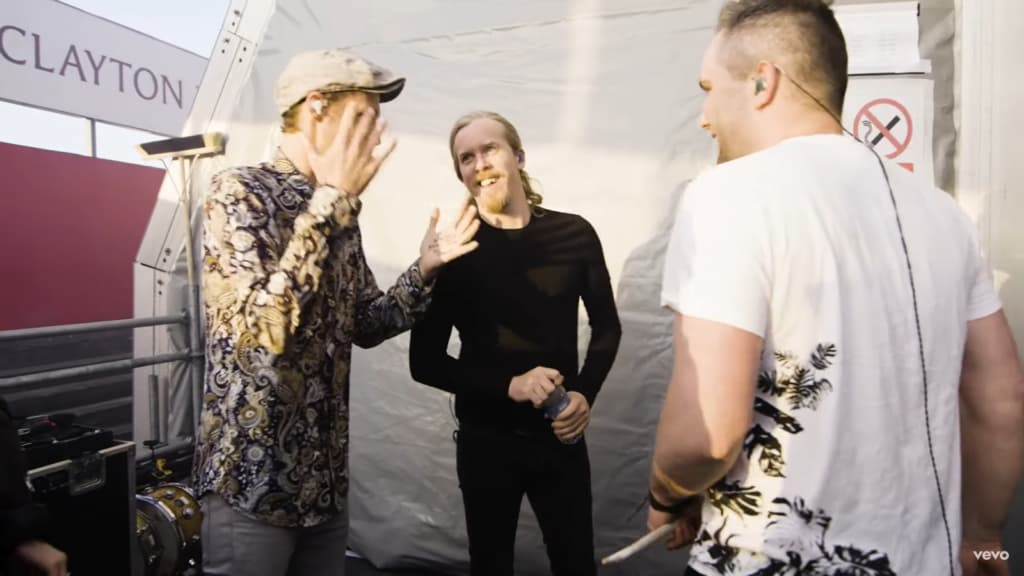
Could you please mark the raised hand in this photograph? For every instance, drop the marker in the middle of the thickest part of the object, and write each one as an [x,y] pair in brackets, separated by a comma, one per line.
[440,247]
[349,163]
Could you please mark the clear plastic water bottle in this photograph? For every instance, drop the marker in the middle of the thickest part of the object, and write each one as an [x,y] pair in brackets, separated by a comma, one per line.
[553,406]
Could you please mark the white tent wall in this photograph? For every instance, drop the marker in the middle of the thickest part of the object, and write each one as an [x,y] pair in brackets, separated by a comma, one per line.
[990,175]
[605,96]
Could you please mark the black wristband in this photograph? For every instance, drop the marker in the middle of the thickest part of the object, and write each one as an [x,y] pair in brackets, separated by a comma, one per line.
[675,509]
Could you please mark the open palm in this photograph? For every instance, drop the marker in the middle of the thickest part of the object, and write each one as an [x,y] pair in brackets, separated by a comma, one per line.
[440,247]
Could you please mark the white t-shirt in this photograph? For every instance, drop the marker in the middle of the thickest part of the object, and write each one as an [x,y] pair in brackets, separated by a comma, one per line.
[799,245]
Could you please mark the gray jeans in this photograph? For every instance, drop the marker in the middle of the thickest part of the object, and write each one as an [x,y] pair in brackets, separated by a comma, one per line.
[234,544]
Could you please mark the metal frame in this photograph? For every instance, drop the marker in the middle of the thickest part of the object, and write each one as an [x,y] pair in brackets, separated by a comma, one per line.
[226,74]
[157,398]
[92,369]
[117,448]
[212,144]
[176,215]
[65,329]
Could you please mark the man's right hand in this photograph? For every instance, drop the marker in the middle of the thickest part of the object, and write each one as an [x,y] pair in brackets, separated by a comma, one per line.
[534,386]
[686,526]
[348,163]
[42,558]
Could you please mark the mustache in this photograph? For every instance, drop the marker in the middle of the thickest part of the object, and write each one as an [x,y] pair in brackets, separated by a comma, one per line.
[485,174]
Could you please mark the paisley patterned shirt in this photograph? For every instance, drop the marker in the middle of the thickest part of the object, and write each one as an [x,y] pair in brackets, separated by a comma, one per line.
[287,292]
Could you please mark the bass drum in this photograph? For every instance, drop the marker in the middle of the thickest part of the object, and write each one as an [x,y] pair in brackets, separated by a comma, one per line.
[177,523]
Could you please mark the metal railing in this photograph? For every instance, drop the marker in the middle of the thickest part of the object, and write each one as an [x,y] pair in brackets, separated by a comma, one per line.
[158,400]
[93,369]
[65,329]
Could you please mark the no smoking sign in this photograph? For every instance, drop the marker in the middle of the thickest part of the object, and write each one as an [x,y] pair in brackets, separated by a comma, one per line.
[895,115]
[886,125]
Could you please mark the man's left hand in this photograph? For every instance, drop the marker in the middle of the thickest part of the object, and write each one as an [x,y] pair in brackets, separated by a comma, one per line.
[686,525]
[573,419]
[440,247]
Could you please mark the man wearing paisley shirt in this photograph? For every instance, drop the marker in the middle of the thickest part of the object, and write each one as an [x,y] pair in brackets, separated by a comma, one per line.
[287,292]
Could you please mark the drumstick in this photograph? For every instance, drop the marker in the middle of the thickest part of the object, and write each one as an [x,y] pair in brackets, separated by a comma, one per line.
[644,542]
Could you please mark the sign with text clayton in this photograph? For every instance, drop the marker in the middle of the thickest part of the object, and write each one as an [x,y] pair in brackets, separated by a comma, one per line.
[58,57]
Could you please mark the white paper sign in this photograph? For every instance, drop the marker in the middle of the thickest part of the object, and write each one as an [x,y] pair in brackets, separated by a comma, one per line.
[882,38]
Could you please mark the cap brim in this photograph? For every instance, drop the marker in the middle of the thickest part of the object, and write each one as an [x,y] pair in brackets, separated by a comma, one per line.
[386,92]
[389,91]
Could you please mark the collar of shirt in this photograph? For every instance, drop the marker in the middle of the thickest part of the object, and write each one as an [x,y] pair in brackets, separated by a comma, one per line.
[282,164]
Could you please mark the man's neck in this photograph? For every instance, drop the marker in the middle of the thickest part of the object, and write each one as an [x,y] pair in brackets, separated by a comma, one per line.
[295,150]
[812,124]
[516,215]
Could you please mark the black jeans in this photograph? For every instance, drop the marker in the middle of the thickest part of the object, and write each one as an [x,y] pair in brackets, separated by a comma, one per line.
[495,470]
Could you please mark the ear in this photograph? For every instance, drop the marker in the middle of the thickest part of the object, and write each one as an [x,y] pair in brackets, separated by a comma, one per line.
[317,104]
[521,159]
[765,83]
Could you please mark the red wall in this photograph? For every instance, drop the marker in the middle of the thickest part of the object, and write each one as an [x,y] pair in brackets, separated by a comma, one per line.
[70,228]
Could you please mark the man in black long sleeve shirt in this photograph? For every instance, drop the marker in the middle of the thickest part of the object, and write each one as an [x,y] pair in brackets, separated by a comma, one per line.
[515,303]
[22,523]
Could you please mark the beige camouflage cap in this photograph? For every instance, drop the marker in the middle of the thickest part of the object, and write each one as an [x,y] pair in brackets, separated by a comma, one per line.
[333,70]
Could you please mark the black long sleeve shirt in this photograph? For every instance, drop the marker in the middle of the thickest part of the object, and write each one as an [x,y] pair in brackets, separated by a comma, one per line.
[515,302]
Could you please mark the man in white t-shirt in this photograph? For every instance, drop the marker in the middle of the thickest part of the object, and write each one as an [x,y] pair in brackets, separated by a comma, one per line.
[846,397]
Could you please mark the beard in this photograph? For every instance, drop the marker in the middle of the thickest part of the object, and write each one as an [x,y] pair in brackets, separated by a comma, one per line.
[496,198]
[494,201]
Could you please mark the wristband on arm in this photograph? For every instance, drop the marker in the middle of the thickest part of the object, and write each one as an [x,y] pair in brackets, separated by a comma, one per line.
[674,509]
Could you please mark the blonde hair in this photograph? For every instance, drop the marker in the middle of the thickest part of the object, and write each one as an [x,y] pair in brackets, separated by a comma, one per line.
[511,135]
